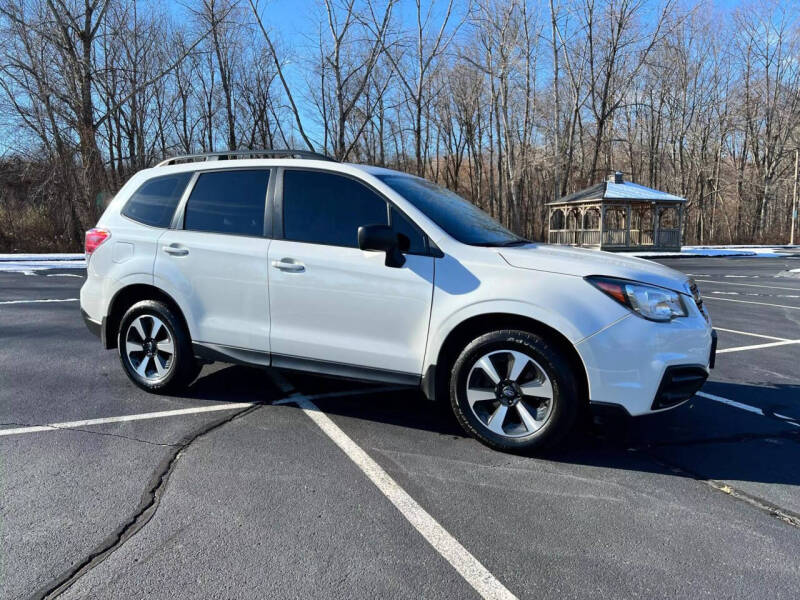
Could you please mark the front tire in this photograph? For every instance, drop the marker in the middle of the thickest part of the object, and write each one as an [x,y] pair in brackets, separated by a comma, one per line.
[155,349]
[514,391]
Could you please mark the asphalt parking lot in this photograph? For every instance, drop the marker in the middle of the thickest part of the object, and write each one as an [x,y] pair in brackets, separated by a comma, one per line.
[258,484]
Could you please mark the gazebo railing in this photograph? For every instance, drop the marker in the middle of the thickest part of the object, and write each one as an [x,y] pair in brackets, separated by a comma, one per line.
[614,237]
[575,237]
[669,238]
[641,237]
[662,238]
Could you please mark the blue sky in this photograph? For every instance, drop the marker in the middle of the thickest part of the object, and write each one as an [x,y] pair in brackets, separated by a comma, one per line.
[294,23]
[299,18]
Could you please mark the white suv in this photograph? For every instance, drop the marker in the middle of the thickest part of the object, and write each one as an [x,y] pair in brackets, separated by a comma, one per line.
[366,273]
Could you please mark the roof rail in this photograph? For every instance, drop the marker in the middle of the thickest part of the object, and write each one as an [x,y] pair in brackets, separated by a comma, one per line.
[244,154]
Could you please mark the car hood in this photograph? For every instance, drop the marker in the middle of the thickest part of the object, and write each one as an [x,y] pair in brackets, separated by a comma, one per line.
[581,262]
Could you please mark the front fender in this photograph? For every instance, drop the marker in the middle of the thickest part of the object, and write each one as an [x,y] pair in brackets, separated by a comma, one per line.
[547,317]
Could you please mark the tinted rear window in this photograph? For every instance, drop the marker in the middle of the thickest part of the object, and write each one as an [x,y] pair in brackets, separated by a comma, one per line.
[228,202]
[155,201]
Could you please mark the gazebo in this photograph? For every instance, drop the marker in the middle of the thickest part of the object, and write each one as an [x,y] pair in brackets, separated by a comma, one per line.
[617,215]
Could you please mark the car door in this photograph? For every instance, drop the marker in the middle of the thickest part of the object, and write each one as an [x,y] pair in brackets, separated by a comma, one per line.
[214,262]
[334,307]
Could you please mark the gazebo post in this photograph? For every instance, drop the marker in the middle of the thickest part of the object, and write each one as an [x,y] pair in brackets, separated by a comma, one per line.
[628,224]
[656,225]
[602,223]
[680,225]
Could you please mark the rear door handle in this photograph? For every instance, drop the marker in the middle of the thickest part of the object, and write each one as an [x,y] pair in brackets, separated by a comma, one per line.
[289,265]
[175,250]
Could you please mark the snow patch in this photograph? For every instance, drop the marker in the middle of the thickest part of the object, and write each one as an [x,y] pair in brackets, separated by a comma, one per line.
[28,263]
[691,252]
[15,257]
[724,250]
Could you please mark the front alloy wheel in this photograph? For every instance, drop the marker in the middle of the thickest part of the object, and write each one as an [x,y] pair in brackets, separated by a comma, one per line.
[509,393]
[515,390]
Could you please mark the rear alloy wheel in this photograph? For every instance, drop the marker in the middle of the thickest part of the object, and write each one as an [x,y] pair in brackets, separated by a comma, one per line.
[514,391]
[150,347]
[154,348]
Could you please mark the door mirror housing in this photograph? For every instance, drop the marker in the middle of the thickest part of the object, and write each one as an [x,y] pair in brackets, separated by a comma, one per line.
[382,238]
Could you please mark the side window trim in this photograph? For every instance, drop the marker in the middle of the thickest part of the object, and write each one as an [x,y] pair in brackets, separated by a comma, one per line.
[177,218]
[266,232]
[180,212]
[277,206]
[278,225]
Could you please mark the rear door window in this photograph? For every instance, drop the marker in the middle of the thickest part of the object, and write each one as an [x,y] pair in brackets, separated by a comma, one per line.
[326,208]
[229,202]
[155,201]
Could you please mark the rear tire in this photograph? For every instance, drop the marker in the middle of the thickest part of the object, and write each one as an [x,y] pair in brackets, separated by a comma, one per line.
[514,391]
[155,349]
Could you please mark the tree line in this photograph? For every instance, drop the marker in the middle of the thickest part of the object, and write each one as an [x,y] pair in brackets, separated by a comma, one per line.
[510,103]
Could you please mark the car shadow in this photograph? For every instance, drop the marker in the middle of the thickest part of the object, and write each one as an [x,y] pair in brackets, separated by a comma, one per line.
[700,439]
[233,383]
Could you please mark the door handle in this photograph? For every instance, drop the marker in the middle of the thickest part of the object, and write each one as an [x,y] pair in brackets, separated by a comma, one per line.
[175,250]
[289,265]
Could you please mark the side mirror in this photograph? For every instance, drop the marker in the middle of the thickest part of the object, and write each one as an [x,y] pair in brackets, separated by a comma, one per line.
[381,238]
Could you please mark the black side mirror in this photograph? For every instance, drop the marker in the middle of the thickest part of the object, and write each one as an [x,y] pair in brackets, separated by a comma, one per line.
[382,239]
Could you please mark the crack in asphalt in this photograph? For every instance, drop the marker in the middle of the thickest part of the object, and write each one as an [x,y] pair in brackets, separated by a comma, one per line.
[787,516]
[116,435]
[151,500]
[89,431]
[731,439]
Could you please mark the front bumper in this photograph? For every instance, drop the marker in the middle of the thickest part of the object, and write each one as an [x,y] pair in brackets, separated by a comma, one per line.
[643,366]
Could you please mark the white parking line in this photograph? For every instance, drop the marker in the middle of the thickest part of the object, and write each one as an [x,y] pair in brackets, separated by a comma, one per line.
[750,302]
[38,301]
[758,346]
[758,335]
[755,294]
[747,407]
[172,413]
[125,418]
[478,576]
[757,285]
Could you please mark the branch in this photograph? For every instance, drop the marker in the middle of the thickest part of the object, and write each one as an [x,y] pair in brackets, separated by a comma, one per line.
[279,69]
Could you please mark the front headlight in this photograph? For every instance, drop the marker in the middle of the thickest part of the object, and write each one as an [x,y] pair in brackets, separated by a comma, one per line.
[648,301]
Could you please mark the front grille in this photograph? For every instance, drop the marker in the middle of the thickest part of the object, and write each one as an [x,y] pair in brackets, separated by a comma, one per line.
[698,299]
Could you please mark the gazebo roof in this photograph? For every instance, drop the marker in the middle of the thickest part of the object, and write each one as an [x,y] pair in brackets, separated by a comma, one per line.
[624,190]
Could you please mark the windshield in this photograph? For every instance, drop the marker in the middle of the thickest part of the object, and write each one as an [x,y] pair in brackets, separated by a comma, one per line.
[459,218]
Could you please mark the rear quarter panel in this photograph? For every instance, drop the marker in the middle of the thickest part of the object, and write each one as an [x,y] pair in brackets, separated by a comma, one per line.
[125,258]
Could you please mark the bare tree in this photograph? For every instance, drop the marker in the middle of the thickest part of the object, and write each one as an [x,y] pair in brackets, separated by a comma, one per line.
[509,102]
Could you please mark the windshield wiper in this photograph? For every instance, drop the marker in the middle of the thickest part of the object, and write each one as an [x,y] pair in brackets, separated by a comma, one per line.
[519,242]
